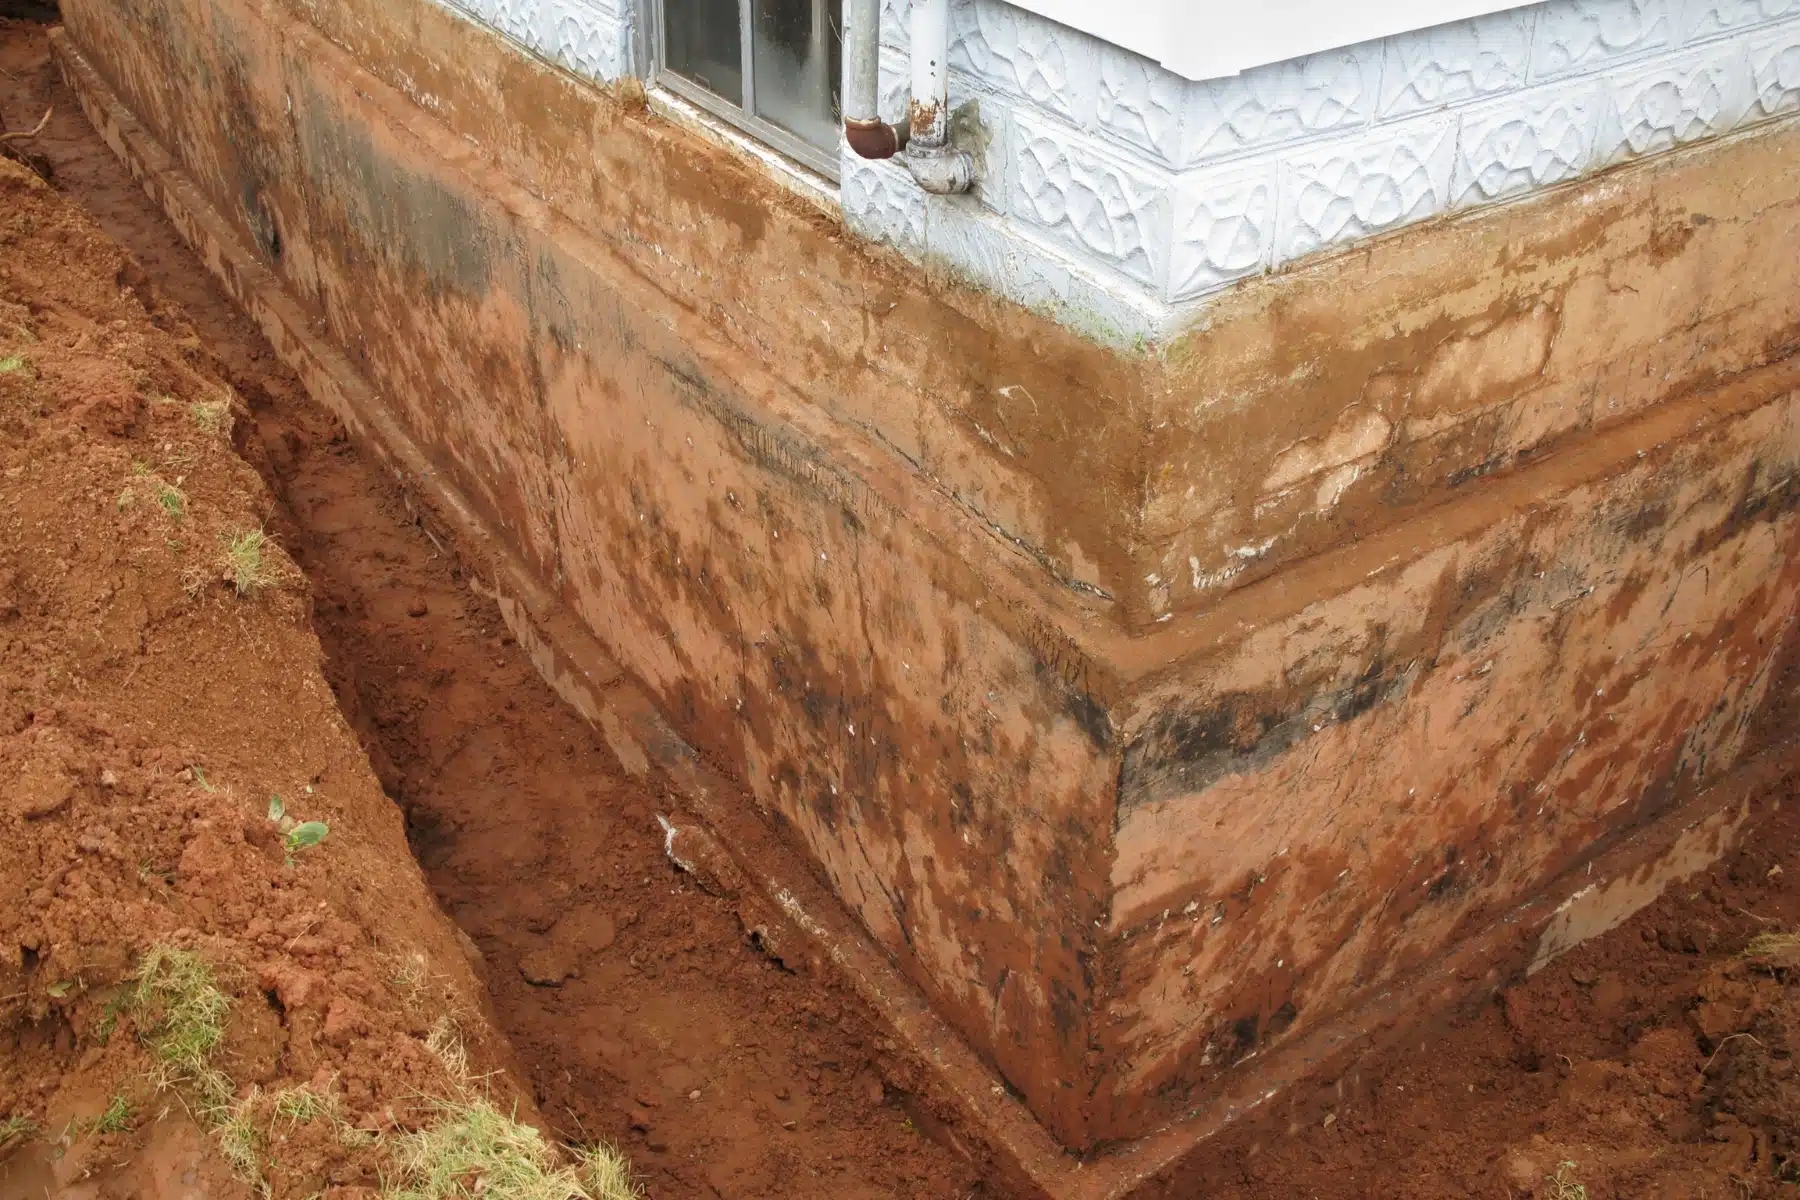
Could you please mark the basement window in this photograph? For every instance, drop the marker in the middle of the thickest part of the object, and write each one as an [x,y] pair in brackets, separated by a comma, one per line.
[770,67]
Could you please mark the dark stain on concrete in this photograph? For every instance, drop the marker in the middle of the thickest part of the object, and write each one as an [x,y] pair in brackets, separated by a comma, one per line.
[1182,752]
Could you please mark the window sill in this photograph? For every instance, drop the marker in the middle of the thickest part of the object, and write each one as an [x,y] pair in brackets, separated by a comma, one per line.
[798,179]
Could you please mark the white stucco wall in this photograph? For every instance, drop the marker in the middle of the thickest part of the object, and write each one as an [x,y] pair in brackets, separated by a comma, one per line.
[594,38]
[1117,196]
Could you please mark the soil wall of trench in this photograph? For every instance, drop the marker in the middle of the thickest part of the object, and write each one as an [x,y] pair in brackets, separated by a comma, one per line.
[160,686]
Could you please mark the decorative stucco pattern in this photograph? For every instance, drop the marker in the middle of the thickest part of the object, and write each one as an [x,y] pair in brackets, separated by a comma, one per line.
[1117,196]
[594,38]
[1165,190]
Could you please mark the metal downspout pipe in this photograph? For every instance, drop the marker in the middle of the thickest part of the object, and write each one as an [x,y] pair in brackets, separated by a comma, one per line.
[925,137]
[867,133]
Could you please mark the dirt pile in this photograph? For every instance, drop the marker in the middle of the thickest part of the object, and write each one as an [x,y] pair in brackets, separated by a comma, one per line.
[179,949]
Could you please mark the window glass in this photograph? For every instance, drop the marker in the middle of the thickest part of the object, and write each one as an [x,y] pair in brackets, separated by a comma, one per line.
[796,49]
[702,40]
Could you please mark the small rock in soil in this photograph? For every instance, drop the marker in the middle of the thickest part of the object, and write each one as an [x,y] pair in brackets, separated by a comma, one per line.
[44,789]
[547,967]
[417,608]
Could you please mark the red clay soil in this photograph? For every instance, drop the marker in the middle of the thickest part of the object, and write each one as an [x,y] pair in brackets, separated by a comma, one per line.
[1657,1061]
[149,709]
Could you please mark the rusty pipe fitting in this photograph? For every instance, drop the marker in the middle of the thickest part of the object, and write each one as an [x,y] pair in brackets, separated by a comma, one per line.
[876,139]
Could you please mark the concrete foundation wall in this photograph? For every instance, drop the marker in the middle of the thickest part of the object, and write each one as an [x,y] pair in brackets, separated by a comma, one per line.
[843,663]
[1153,711]
[1314,813]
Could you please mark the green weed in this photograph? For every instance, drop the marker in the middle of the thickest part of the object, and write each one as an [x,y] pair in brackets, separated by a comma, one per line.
[171,499]
[116,1118]
[16,1128]
[306,835]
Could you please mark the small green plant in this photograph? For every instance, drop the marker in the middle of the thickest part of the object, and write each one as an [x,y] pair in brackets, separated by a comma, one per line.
[181,1011]
[13,362]
[298,835]
[60,988]
[1563,1185]
[245,563]
[171,499]
[116,1118]
[306,835]
[16,1128]
[109,1017]
[209,415]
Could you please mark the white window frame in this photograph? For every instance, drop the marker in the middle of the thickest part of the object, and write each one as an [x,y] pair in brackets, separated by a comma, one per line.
[825,162]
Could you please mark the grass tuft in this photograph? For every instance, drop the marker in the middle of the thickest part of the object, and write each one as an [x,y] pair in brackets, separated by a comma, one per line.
[446,1045]
[211,416]
[1772,945]
[606,1172]
[1563,1185]
[16,1128]
[182,1013]
[172,501]
[13,362]
[303,1105]
[240,1142]
[247,567]
[472,1149]
[116,1118]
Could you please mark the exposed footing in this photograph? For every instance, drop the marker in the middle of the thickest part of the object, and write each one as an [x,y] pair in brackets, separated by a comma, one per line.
[775,886]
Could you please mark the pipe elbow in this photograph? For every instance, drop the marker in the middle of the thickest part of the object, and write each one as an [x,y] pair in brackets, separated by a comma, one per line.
[941,170]
[875,139]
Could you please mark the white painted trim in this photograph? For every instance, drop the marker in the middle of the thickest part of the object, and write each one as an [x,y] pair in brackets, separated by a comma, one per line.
[1211,39]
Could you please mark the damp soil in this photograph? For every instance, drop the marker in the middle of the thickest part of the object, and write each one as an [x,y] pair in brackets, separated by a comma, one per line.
[1656,1061]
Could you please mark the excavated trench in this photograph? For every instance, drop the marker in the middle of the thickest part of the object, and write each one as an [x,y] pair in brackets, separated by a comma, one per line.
[633,1001]
[1658,1059]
